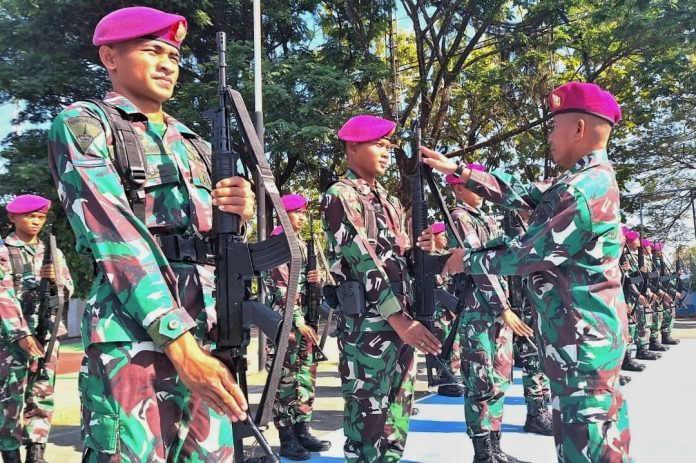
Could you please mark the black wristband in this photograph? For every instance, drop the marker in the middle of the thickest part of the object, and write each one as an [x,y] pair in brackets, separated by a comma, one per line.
[460,169]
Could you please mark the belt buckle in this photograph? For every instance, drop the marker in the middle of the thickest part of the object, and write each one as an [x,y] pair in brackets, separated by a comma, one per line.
[186,249]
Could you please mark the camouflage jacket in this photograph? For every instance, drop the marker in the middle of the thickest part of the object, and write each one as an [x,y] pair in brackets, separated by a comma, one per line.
[18,319]
[137,294]
[631,290]
[351,255]
[570,253]
[487,294]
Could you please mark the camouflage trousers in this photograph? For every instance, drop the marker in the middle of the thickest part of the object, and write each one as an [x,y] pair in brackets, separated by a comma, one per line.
[377,381]
[535,384]
[444,319]
[135,408]
[668,320]
[294,400]
[644,320]
[486,366]
[657,324]
[26,402]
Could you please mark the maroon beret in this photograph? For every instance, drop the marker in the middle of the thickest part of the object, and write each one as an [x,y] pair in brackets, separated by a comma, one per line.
[438,227]
[25,204]
[364,128]
[293,202]
[277,230]
[140,22]
[581,97]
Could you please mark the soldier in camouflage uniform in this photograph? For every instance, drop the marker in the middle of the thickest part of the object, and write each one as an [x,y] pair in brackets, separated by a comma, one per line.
[658,297]
[635,301]
[485,331]
[292,409]
[27,400]
[149,388]
[570,253]
[670,287]
[444,318]
[367,242]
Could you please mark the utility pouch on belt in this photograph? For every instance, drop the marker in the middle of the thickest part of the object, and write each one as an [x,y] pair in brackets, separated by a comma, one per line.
[351,297]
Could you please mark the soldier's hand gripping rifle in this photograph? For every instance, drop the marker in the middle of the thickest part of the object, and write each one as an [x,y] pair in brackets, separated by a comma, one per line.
[238,262]
[513,226]
[51,301]
[426,266]
[313,292]
[633,281]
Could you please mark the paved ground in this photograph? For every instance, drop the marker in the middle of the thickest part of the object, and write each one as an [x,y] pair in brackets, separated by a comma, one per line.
[660,431]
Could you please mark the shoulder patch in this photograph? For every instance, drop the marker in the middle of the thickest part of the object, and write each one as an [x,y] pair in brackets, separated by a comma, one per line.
[84,130]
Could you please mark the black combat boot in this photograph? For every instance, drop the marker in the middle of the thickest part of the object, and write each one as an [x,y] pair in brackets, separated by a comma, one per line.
[668,339]
[307,440]
[538,418]
[631,365]
[500,456]
[483,449]
[624,380]
[290,447]
[644,354]
[35,453]
[11,456]
[450,390]
[656,346]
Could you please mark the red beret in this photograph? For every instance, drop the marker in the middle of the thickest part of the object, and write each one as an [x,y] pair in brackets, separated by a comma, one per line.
[452,180]
[293,202]
[631,235]
[365,128]
[25,204]
[581,97]
[658,246]
[646,243]
[277,230]
[140,22]
[438,227]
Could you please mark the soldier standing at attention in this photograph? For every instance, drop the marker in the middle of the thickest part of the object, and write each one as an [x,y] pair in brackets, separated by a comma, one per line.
[485,331]
[668,303]
[27,399]
[292,409]
[367,242]
[149,388]
[571,254]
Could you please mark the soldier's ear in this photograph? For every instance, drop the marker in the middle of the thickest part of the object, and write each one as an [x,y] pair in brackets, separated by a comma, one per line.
[107,55]
[580,128]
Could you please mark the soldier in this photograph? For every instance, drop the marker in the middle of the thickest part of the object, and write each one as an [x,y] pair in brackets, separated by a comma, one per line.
[485,331]
[570,253]
[669,307]
[292,409]
[27,399]
[444,318]
[635,301]
[149,388]
[658,297]
[367,243]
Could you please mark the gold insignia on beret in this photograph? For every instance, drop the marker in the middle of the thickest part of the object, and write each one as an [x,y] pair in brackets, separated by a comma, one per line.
[555,101]
[180,32]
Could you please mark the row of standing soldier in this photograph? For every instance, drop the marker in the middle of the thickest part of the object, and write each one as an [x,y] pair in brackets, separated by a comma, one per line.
[151,317]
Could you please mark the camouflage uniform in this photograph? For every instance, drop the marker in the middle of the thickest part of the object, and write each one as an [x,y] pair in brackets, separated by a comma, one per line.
[27,401]
[443,325]
[643,314]
[295,396]
[140,300]
[657,307]
[535,384]
[376,367]
[486,342]
[570,253]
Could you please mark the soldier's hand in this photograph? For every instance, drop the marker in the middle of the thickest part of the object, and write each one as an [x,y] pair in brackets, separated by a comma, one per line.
[643,269]
[31,346]
[625,266]
[455,263]
[47,271]
[313,276]
[207,377]
[414,334]
[516,325]
[438,161]
[427,240]
[234,195]
[642,300]
[309,334]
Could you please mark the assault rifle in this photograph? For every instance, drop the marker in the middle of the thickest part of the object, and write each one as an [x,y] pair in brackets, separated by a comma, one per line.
[238,262]
[313,292]
[427,266]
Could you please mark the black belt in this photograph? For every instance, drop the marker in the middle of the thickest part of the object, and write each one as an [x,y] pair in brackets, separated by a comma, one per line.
[190,249]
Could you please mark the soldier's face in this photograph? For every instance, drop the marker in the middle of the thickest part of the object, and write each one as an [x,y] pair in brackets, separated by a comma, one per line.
[144,69]
[297,219]
[562,137]
[440,241]
[467,196]
[370,158]
[28,225]
[633,244]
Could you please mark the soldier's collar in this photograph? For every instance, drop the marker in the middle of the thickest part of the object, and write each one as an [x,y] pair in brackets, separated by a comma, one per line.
[471,209]
[13,240]
[362,184]
[125,105]
[592,159]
